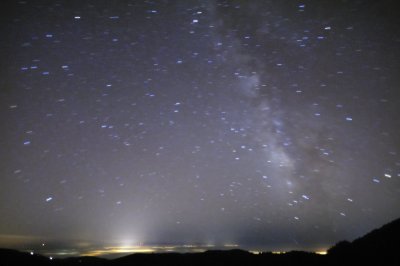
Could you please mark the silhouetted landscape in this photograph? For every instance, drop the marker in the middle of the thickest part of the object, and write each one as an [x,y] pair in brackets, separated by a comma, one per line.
[379,247]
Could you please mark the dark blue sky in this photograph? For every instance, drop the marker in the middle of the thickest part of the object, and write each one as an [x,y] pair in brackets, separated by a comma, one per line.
[265,124]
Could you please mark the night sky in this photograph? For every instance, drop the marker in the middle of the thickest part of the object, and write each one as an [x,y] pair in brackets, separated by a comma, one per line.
[262,125]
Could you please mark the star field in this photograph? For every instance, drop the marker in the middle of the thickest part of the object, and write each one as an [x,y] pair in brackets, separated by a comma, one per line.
[269,125]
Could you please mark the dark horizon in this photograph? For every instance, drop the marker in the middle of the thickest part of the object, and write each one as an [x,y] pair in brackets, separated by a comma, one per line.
[114,250]
[378,246]
[264,125]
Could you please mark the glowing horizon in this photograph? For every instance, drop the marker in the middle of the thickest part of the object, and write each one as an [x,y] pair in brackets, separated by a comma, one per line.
[115,251]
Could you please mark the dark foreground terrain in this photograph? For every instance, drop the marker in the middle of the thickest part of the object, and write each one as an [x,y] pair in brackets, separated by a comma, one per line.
[379,247]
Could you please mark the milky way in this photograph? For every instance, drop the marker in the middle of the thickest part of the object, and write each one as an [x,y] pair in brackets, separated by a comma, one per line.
[269,125]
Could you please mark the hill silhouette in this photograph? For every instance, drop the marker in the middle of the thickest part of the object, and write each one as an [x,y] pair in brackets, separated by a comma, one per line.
[379,244]
[379,247]
[13,257]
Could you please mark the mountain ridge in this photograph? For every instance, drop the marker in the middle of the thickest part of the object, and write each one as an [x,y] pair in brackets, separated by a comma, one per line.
[381,246]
